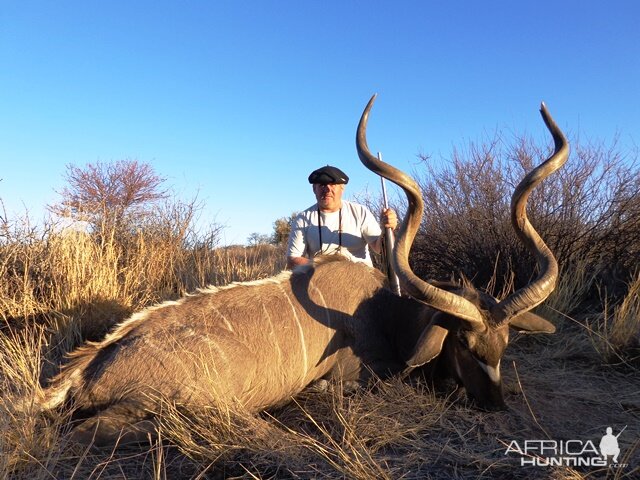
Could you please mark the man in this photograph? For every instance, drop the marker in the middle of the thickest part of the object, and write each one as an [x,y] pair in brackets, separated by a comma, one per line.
[333,225]
[609,445]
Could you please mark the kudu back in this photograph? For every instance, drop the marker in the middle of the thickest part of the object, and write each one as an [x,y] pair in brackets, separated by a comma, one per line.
[256,345]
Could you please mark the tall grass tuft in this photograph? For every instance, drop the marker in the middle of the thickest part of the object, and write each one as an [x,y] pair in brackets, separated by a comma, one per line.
[577,278]
[25,434]
[616,331]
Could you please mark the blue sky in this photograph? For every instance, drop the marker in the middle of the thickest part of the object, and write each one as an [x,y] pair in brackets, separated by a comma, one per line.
[239,101]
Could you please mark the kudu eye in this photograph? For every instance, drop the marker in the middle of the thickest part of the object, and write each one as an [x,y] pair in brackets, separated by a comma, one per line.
[470,342]
[464,340]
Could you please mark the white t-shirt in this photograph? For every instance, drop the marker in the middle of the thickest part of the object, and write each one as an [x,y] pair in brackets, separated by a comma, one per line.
[359,230]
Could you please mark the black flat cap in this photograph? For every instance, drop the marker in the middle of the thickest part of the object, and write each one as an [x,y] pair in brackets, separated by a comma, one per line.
[328,174]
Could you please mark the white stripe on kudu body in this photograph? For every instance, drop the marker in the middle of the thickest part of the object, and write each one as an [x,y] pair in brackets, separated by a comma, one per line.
[303,346]
[226,322]
[330,330]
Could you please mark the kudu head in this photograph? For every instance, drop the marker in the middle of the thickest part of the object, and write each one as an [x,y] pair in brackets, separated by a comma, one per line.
[470,329]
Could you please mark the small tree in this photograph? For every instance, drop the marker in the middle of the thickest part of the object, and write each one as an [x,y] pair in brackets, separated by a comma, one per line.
[256,239]
[109,195]
[282,229]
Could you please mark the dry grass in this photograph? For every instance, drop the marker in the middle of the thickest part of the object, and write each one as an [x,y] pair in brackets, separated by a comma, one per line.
[575,281]
[58,289]
[616,331]
[394,430]
[73,281]
[239,264]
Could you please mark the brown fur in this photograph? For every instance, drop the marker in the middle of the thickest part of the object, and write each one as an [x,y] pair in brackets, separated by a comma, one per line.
[252,344]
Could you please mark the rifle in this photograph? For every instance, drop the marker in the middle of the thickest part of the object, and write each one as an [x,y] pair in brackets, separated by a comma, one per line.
[625,427]
[389,241]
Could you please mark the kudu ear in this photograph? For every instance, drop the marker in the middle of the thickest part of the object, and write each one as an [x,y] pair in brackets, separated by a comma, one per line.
[531,323]
[428,346]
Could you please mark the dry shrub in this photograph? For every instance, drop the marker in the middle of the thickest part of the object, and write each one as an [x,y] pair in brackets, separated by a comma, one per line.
[589,212]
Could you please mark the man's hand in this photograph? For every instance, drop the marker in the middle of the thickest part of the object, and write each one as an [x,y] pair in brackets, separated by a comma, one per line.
[388,219]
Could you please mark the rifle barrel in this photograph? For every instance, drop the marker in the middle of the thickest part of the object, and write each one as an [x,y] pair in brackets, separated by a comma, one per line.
[394,281]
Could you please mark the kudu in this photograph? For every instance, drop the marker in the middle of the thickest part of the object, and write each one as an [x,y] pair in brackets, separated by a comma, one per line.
[255,345]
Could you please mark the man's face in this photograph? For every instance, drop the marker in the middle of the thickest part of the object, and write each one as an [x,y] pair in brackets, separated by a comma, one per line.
[329,196]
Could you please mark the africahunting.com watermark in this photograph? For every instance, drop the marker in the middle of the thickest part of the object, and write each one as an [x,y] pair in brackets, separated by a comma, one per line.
[569,453]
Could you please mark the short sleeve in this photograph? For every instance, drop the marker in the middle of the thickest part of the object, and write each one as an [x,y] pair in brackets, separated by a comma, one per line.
[296,245]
